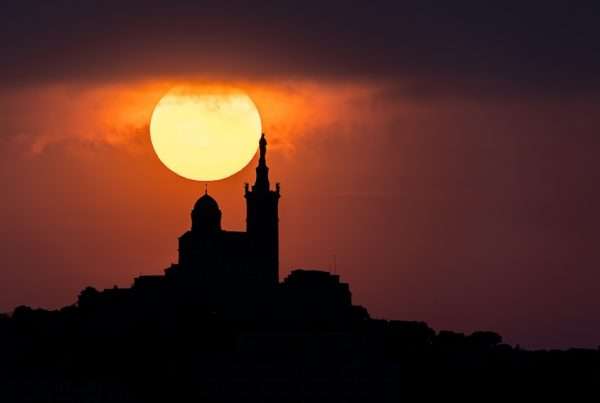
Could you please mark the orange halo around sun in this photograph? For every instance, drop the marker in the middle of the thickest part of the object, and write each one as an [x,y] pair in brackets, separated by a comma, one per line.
[205,134]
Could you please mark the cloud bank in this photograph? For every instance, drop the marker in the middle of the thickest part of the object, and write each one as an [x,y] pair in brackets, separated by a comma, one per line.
[465,48]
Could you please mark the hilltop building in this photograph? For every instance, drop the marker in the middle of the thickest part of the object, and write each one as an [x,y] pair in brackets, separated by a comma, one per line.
[237,272]
[224,259]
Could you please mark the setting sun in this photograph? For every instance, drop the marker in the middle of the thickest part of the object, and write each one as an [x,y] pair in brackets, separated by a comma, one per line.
[205,134]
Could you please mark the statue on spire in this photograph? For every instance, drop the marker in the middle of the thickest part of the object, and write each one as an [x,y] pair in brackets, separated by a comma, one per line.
[262,171]
[263,149]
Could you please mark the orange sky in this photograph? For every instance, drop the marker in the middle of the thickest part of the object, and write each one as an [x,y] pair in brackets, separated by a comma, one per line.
[83,164]
[445,154]
[427,206]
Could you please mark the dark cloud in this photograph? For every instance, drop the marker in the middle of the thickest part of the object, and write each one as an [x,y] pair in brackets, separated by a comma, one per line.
[425,46]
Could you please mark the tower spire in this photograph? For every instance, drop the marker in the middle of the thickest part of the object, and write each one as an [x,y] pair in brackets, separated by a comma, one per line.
[262,171]
[262,220]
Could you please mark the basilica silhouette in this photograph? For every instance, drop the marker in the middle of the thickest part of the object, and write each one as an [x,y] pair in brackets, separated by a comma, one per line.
[236,273]
[224,259]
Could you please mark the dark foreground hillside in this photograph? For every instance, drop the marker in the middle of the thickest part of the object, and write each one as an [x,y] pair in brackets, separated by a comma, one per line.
[127,352]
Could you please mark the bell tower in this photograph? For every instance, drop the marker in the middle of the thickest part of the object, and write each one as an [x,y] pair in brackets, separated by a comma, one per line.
[262,222]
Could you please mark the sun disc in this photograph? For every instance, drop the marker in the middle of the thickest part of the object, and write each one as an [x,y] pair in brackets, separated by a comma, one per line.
[205,134]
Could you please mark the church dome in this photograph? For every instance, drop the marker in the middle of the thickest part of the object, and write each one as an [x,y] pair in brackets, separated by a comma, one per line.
[206,215]
[207,203]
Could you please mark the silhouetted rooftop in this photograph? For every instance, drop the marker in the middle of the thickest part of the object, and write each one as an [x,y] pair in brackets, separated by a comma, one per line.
[311,275]
[206,202]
